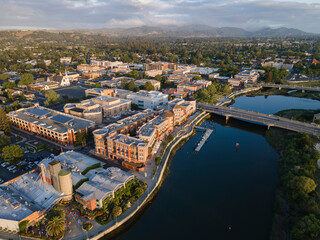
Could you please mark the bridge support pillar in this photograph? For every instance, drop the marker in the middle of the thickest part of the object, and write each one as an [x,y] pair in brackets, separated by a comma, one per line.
[269,126]
[302,90]
[227,118]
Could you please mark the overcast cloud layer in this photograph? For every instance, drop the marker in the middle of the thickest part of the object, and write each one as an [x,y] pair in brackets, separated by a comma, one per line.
[76,14]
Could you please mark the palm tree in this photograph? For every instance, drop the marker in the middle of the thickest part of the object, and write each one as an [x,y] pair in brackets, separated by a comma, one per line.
[56,226]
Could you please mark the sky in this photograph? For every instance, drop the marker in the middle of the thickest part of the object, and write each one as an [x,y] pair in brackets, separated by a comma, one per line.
[93,14]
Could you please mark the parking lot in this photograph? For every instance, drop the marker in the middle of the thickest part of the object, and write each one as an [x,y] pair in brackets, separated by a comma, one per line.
[72,92]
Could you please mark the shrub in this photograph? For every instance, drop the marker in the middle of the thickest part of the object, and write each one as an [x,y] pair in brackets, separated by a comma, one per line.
[94,166]
[22,226]
[158,160]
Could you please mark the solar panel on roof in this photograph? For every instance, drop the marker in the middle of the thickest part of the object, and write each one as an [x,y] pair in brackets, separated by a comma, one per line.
[61,119]
[38,111]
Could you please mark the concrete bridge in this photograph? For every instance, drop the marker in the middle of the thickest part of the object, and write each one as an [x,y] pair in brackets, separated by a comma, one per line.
[265,119]
[294,87]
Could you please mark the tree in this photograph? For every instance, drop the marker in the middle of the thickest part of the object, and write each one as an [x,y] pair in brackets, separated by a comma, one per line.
[23,226]
[302,186]
[149,86]
[131,86]
[4,140]
[56,212]
[170,137]
[81,139]
[196,78]
[8,85]
[158,160]
[307,228]
[134,106]
[123,84]
[116,211]
[138,192]
[26,79]
[52,97]
[269,78]
[56,226]
[12,153]
[4,76]
[4,121]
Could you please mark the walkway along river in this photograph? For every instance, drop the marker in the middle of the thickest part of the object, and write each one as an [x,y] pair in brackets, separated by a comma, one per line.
[220,192]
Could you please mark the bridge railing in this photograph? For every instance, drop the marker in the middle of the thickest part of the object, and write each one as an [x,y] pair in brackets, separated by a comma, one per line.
[276,119]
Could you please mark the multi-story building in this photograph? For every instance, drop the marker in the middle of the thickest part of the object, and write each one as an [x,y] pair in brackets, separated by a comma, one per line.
[142,82]
[160,66]
[118,93]
[88,68]
[247,76]
[123,126]
[153,73]
[191,87]
[99,108]
[55,126]
[180,109]
[129,149]
[155,130]
[150,100]
[43,86]
[65,60]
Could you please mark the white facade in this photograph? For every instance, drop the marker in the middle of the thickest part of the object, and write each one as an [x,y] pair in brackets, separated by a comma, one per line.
[148,100]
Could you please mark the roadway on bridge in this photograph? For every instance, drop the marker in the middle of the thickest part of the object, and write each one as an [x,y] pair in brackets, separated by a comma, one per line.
[268,120]
[296,87]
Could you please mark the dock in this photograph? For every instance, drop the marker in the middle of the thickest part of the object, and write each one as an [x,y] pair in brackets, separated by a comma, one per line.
[204,139]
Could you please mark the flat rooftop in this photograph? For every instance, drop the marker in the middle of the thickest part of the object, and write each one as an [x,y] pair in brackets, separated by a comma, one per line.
[74,162]
[147,94]
[26,195]
[103,183]
[51,119]
[124,122]
[120,138]
[147,129]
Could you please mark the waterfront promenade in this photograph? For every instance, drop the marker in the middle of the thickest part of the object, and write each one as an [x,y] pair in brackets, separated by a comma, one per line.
[268,120]
[101,230]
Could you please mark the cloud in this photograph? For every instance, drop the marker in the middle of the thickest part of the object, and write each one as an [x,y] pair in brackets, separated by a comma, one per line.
[248,14]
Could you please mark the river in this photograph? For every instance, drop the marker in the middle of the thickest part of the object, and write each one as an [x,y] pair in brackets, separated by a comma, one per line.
[222,192]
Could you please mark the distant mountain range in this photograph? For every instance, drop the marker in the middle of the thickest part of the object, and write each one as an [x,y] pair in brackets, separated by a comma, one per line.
[83,36]
[194,31]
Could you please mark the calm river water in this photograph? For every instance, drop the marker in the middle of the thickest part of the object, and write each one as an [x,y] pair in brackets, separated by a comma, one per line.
[221,192]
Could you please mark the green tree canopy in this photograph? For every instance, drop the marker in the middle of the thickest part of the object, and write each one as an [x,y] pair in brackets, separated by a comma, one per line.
[23,226]
[9,85]
[149,86]
[4,121]
[302,186]
[56,226]
[26,79]
[307,228]
[52,97]
[4,140]
[131,86]
[4,76]
[116,211]
[196,78]
[12,153]
[81,139]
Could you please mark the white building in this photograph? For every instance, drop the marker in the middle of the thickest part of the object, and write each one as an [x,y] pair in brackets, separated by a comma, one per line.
[150,100]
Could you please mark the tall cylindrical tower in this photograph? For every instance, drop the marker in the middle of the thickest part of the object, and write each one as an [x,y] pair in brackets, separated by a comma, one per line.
[65,183]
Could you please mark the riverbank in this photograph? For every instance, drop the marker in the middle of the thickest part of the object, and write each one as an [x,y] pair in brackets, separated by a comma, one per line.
[297,208]
[284,92]
[302,115]
[185,133]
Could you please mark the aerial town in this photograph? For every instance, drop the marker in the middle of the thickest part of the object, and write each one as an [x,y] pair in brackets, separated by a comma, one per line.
[88,132]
